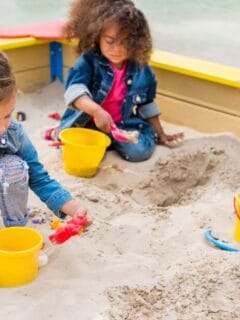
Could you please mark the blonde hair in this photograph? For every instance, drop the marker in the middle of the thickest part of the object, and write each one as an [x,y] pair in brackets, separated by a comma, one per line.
[7,78]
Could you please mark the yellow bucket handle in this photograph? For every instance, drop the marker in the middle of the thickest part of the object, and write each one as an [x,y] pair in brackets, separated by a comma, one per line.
[236,203]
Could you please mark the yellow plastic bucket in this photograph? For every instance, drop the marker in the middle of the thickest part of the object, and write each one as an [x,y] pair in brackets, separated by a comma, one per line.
[237,229]
[19,248]
[83,150]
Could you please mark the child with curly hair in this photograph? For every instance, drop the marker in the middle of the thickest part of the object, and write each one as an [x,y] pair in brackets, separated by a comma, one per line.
[19,164]
[112,83]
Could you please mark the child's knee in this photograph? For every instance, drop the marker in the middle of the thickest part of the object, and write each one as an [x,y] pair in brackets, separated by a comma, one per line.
[13,170]
[14,190]
[15,221]
[137,153]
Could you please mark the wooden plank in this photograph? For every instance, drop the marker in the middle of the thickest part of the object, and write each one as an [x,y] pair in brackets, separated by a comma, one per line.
[69,56]
[26,58]
[197,117]
[13,43]
[212,95]
[196,68]
[65,71]
[31,80]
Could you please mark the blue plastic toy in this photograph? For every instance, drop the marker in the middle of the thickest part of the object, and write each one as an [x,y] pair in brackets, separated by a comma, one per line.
[222,244]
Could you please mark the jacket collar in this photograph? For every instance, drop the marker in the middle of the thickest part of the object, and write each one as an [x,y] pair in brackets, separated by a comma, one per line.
[132,67]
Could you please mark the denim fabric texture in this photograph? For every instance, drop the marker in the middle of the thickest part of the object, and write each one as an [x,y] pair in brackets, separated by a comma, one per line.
[92,75]
[13,190]
[15,178]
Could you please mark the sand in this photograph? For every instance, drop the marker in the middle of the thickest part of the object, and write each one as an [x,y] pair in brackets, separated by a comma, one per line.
[145,256]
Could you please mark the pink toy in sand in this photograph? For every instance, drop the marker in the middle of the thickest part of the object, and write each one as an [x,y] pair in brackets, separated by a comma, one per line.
[124,135]
[72,228]
[55,116]
[83,221]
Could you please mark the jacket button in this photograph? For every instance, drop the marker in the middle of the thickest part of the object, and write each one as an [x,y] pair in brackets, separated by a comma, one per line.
[138,99]
[135,110]
[129,82]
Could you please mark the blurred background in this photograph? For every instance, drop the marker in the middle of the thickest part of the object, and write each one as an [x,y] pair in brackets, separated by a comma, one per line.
[206,29]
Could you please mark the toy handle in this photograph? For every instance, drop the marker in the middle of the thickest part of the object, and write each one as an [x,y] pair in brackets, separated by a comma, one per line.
[235,207]
[118,135]
[56,144]
[44,255]
[73,227]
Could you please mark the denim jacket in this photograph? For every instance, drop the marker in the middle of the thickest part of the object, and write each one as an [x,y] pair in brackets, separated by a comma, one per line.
[15,141]
[93,75]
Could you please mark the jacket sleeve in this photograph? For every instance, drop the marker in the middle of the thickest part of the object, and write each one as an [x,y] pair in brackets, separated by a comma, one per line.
[46,188]
[78,80]
[149,109]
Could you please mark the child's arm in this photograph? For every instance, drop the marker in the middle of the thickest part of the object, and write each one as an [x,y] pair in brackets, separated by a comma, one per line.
[73,208]
[150,112]
[102,118]
[162,137]
[78,93]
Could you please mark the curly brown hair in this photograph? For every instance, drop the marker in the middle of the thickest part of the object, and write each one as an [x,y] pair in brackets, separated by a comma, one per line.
[7,78]
[88,18]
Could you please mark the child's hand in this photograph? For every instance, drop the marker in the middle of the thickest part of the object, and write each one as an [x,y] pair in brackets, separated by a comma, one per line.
[103,120]
[73,208]
[170,140]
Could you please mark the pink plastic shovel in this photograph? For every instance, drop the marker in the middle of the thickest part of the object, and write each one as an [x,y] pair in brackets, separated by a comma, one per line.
[118,134]
[124,135]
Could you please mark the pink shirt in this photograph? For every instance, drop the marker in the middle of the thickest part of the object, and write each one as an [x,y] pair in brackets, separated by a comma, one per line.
[114,100]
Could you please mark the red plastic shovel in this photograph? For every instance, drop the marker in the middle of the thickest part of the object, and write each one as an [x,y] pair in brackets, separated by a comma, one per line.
[72,228]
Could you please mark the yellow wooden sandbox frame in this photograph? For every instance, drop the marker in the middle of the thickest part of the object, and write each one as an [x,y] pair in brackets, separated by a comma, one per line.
[193,93]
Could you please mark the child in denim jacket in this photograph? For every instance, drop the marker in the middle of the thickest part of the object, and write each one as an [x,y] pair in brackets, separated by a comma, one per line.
[19,164]
[111,82]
